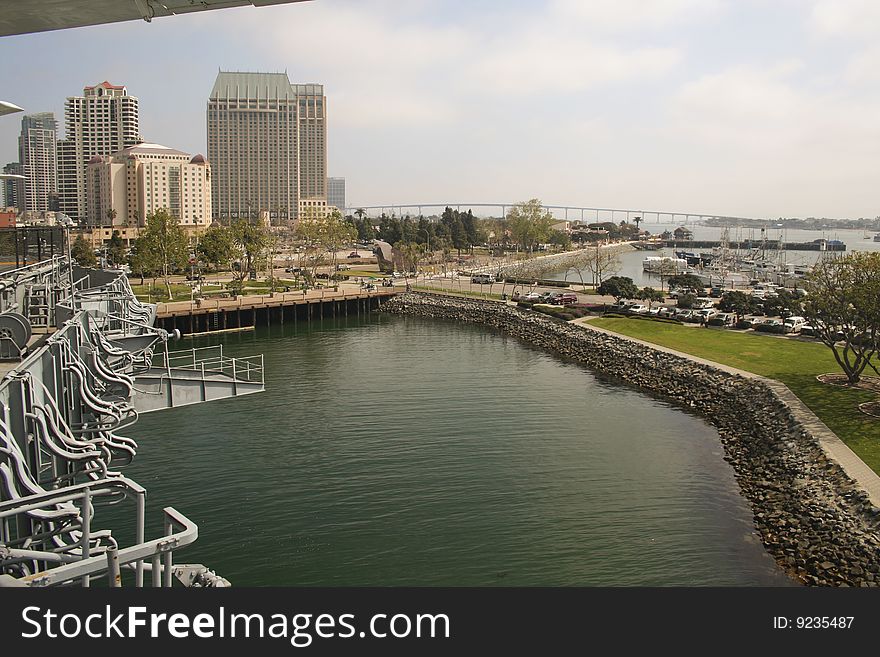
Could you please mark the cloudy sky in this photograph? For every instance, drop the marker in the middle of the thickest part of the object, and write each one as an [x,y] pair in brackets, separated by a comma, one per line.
[759,108]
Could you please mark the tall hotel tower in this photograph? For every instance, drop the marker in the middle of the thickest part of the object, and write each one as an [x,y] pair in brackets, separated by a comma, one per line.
[36,149]
[267,144]
[103,121]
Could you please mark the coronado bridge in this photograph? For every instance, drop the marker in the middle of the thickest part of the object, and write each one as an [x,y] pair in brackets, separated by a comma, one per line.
[562,212]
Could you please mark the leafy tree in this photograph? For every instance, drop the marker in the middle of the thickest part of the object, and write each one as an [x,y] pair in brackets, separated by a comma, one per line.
[560,238]
[686,301]
[685,281]
[82,253]
[843,306]
[216,248]
[529,224]
[116,248]
[739,303]
[784,300]
[142,259]
[619,287]
[168,244]
[651,295]
[250,240]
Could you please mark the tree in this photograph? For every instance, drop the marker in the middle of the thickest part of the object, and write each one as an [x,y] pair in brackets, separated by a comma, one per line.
[843,307]
[602,261]
[529,224]
[167,243]
[619,287]
[685,281]
[686,301]
[116,249]
[142,259]
[82,253]
[249,240]
[739,303]
[651,295]
[216,248]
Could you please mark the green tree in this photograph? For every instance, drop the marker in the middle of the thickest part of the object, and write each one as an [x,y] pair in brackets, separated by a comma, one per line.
[685,281]
[843,306]
[739,303]
[83,253]
[216,248]
[529,224]
[651,295]
[686,301]
[250,240]
[142,259]
[116,248]
[167,242]
[619,287]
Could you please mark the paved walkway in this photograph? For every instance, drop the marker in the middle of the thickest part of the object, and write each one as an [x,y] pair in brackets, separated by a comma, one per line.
[833,446]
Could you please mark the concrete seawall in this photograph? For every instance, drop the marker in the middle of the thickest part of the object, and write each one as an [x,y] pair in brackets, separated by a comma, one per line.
[817,523]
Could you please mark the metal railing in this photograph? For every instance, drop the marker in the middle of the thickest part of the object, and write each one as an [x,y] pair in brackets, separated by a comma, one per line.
[210,361]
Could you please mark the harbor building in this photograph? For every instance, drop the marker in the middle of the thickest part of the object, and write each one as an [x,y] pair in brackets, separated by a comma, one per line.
[267,142]
[103,121]
[123,189]
[336,193]
[36,150]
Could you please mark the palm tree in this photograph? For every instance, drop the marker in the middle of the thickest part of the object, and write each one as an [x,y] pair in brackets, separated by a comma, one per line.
[111,215]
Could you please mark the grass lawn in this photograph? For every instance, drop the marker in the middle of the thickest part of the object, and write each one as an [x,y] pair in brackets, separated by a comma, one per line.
[794,363]
[459,293]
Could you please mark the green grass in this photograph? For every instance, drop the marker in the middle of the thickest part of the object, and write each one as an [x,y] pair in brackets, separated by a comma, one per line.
[793,362]
[459,293]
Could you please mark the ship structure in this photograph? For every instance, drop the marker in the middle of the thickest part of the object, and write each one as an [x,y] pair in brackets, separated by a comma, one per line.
[80,360]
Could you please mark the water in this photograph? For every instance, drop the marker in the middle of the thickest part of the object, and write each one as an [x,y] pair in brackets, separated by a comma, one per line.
[399,451]
[631,261]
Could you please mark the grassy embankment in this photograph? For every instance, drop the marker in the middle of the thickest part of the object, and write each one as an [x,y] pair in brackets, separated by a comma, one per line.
[793,362]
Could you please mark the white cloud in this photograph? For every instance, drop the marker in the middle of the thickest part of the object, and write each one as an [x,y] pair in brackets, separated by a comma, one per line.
[635,14]
[549,63]
[846,18]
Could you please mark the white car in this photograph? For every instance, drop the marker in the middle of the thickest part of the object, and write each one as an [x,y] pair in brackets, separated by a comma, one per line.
[638,309]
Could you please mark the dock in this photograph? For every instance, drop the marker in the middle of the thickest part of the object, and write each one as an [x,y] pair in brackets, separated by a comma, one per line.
[223,314]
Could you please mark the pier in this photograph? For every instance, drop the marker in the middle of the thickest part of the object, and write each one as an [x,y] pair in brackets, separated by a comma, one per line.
[224,314]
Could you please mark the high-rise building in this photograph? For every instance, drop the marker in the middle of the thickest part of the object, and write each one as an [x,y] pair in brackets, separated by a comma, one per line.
[13,188]
[336,193]
[267,143]
[36,150]
[103,121]
[124,188]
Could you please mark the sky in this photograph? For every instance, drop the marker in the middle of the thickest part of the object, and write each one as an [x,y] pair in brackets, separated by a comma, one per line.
[757,108]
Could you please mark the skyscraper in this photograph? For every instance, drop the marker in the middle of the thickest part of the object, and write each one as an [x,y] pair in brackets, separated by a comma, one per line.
[36,150]
[102,121]
[13,188]
[336,193]
[267,144]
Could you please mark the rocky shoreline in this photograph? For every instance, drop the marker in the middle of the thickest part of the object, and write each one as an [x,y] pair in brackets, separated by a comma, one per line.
[812,518]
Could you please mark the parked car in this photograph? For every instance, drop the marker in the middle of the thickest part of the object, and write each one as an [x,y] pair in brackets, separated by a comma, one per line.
[666,311]
[796,324]
[703,302]
[638,309]
[723,319]
[684,314]
[566,298]
[354,254]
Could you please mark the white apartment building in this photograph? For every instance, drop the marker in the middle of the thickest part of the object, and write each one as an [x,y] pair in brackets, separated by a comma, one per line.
[126,187]
[267,142]
[103,121]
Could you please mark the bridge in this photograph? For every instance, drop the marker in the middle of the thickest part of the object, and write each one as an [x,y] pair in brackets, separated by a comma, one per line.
[563,212]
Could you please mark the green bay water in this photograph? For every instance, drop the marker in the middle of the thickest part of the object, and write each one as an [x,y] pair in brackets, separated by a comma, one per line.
[403,451]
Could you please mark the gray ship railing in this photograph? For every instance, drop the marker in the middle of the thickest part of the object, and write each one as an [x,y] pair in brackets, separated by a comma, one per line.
[211,360]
